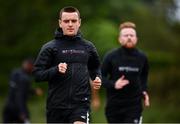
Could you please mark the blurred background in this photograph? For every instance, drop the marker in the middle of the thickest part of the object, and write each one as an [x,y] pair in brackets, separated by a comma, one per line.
[25,25]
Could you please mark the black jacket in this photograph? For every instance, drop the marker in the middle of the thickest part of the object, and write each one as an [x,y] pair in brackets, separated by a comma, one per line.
[133,65]
[19,90]
[71,89]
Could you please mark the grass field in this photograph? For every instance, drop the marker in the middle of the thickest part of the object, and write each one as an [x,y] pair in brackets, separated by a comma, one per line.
[158,112]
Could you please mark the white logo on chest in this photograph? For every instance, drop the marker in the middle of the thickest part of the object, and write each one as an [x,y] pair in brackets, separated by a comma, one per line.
[128,69]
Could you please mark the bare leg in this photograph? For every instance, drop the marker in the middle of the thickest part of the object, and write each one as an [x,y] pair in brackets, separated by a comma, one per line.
[79,122]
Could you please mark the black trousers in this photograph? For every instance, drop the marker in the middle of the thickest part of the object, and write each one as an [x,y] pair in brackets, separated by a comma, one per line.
[11,115]
[67,115]
[124,115]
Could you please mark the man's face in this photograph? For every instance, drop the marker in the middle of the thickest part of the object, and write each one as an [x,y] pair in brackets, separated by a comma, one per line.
[70,23]
[128,38]
[28,66]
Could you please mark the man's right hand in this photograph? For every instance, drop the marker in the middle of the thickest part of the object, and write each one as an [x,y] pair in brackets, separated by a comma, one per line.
[62,68]
[121,82]
[38,91]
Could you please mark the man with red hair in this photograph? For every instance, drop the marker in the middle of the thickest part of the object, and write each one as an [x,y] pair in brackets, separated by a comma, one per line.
[125,72]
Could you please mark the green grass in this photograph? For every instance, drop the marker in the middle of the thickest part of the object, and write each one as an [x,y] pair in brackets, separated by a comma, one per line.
[37,108]
[98,116]
[160,111]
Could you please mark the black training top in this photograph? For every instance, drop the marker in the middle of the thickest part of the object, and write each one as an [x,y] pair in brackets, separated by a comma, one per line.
[71,89]
[133,65]
[19,90]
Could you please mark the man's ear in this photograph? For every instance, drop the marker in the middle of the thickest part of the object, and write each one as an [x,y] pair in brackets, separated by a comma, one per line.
[79,22]
[59,23]
[119,39]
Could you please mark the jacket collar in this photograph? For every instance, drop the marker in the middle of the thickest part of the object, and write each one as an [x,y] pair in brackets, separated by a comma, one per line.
[59,35]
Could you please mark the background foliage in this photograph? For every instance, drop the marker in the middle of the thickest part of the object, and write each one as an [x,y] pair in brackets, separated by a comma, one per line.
[27,25]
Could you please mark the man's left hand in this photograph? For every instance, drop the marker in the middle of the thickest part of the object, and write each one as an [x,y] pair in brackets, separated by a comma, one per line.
[96,83]
[146,99]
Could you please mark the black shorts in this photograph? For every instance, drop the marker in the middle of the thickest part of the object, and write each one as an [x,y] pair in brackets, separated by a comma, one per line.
[67,115]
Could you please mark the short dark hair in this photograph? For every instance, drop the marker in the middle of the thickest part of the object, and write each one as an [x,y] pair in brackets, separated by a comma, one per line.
[29,60]
[69,9]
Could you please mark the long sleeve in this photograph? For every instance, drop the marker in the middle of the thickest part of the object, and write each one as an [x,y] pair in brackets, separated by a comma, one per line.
[144,75]
[94,63]
[21,97]
[19,86]
[106,69]
[43,71]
